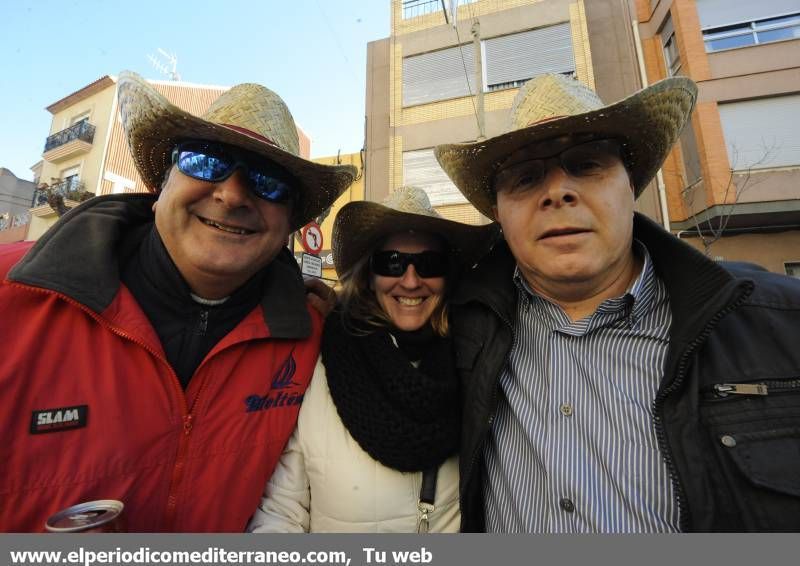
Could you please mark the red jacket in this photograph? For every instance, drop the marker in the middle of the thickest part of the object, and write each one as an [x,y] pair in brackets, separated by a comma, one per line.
[90,408]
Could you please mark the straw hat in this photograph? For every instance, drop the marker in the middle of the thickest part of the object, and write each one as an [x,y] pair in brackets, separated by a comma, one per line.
[361,225]
[248,116]
[647,123]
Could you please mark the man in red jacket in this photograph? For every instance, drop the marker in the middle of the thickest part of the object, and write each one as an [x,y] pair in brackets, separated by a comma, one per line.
[156,347]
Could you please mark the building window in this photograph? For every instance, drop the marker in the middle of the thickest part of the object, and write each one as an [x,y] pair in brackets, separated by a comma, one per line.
[792,268]
[421,169]
[82,117]
[508,62]
[415,8]
[439,75]
[762,133]
[754,32]
[511,60]
[672,57]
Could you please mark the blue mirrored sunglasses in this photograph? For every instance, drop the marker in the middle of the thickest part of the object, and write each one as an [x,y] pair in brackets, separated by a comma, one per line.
[216,162]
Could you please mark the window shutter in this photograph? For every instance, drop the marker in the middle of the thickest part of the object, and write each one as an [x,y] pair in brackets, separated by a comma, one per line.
[762,133]
[421,169]
[522,56]
[715,13]
[438,75]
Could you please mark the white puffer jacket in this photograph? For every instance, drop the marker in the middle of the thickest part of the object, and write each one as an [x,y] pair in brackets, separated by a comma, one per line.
[325,481]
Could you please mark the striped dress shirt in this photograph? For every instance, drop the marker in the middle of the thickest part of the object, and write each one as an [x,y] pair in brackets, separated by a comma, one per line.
[572,448]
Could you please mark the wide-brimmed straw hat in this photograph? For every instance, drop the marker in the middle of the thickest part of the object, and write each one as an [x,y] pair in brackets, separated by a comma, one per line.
[647,123]
[248,116]
[362,225]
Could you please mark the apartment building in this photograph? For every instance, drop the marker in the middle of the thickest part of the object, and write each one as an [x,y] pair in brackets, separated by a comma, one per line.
[423,81]
[733,182]
[86,149]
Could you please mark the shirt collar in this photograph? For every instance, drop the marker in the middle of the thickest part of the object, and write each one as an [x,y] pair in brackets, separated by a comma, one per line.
[631,305]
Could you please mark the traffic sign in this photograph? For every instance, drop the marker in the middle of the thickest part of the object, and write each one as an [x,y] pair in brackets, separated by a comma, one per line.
[311,238]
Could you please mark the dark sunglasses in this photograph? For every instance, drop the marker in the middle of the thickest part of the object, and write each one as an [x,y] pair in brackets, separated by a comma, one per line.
[582,161]
[216,162]
[391,263]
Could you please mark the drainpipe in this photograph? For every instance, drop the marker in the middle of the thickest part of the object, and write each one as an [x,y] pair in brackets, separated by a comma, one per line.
[662,191]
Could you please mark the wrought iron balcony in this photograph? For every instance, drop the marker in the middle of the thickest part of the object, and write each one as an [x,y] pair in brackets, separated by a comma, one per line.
[69,188]
[83,130]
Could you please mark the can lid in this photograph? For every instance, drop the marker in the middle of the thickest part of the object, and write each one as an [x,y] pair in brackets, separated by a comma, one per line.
[84,516]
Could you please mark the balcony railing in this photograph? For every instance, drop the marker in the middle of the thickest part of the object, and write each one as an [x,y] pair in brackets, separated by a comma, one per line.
[69,188]
[83,130]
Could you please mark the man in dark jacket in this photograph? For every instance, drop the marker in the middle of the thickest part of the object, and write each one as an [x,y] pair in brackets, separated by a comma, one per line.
[614,379]
[157,346]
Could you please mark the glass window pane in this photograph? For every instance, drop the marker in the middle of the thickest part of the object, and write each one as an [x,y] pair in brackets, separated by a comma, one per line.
[778,34]
[730,42]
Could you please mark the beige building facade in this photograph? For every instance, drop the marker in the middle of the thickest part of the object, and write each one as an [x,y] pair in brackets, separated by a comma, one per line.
[423,81]
[733,182]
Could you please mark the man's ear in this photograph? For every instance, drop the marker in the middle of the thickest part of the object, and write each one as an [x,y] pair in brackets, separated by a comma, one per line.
[494,213]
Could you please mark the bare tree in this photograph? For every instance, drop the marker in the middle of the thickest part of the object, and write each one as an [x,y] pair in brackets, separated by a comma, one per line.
[739,181]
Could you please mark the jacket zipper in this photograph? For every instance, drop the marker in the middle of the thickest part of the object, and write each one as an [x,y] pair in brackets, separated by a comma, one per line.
[177,470]
[658,405]
[723,390]
[492,414]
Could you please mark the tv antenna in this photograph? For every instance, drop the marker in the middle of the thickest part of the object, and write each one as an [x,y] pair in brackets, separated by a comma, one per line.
[167,66]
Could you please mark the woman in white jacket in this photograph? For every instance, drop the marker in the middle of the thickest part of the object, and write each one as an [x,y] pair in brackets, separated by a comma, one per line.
[375,448]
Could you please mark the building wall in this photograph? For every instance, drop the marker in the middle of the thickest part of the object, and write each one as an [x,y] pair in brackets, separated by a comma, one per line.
[15,193]
[770,251]
[376,176]
[743,73]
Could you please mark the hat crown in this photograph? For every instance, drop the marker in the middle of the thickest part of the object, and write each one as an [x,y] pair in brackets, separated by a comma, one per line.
[548,97]
[259,110]
[412,200]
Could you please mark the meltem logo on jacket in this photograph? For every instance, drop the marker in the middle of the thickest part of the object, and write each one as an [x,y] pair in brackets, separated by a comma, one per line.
[277,398]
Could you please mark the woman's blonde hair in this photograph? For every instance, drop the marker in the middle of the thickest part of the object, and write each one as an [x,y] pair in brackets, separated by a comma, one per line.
[360,310]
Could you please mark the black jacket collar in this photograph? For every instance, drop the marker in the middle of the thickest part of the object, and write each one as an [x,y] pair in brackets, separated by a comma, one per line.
[695,283]
[79,257]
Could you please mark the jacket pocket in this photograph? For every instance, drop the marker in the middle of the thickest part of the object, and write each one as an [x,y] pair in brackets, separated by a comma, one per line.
[755,431]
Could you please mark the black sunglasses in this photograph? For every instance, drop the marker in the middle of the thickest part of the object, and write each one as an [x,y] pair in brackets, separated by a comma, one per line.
[216,162]
[581,161]
[391,263]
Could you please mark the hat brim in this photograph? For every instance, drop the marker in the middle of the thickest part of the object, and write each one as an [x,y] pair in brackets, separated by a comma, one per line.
[647,123]
[154,126]
[362,225]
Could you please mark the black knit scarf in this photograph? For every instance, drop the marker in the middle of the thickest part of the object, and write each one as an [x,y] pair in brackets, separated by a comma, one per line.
[406,418]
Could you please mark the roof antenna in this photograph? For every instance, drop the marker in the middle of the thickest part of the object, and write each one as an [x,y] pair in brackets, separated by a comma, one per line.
[168,66]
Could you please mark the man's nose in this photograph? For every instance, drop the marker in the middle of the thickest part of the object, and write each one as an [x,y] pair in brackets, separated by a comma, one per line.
[234,192]
[558,187]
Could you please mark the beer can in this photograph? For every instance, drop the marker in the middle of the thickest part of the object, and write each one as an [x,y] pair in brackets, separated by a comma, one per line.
[101,516]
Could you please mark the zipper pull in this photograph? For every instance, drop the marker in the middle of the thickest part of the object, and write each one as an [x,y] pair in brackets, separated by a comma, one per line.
[203,326]
[424,509]
[187,424]
[725,389]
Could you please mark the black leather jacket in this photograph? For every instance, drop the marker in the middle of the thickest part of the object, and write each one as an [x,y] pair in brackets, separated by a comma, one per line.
[727,412]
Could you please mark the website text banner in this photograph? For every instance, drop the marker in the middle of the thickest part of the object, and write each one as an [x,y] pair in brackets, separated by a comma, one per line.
[396,550]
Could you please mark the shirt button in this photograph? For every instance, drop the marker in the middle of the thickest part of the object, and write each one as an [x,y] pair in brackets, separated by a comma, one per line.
[566,409]
[566,504]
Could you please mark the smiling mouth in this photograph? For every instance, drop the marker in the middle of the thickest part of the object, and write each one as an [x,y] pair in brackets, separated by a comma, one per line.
[225,227]
[410,301]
